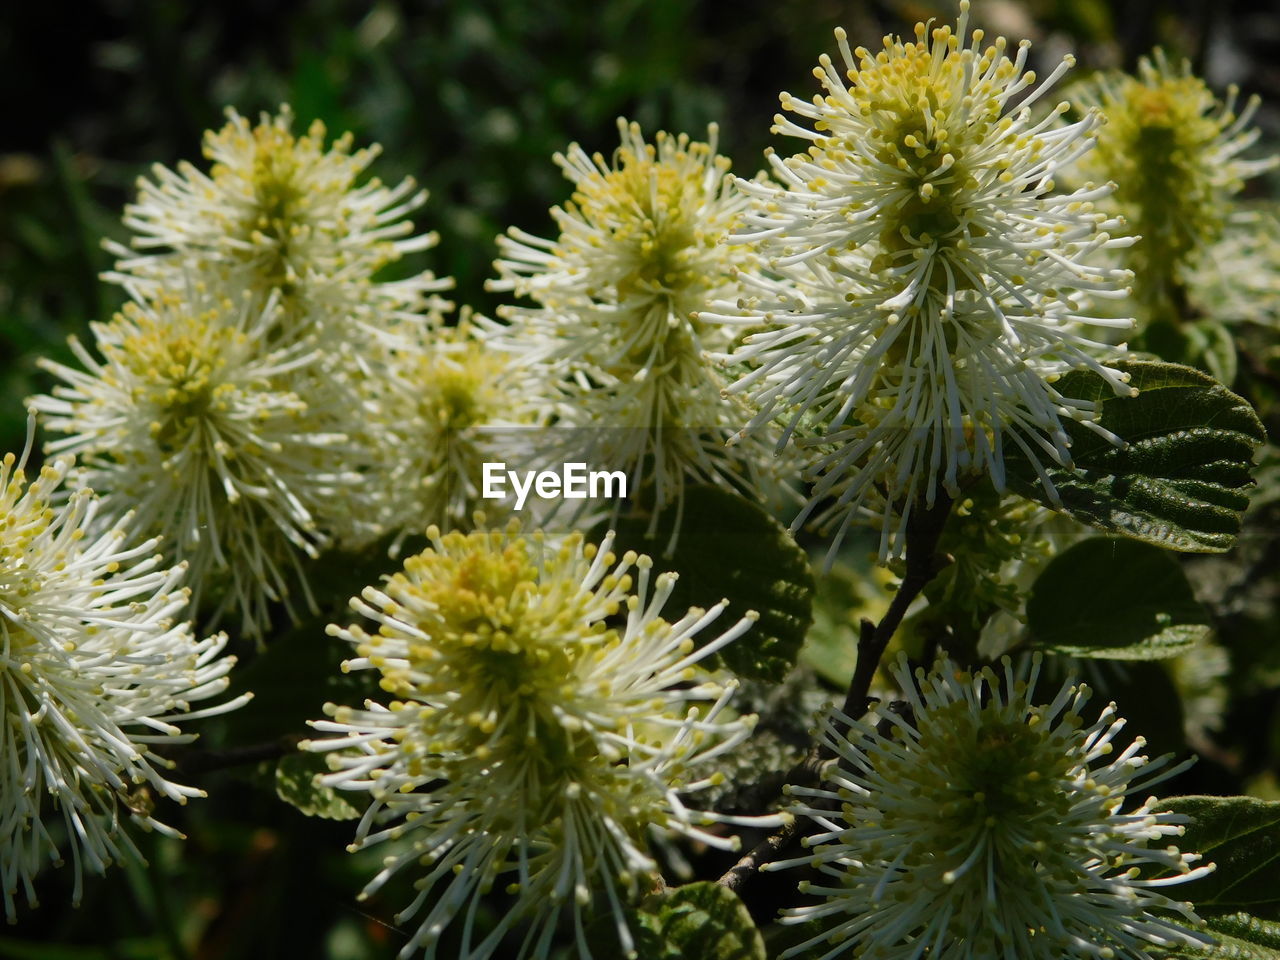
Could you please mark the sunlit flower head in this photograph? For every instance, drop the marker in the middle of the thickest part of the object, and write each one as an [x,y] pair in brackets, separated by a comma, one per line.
[1175,153]
[926,283]
[191,421]
[546,718]
[644,244]
[291,213]
[95,671]
[977,823]
[646,226]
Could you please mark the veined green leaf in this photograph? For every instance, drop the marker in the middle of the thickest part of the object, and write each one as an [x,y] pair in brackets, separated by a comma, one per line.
[296,785]
[1242,836]
[703,920]
[1181,482]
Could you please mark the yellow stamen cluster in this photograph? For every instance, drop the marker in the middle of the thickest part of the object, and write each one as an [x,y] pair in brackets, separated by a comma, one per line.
[25,515]
[193,419]
[457,404]
[647,212]
[645,245]
[179,371]
[928,125]
[498,629]
[545,718]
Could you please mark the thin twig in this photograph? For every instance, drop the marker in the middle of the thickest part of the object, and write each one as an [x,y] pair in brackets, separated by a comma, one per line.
[763,852]
[924,529]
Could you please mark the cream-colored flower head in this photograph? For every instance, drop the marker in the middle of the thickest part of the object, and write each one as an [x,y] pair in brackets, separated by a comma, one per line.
[978,824]
[451,407]
[191,421]
[288,213]
[95,672]
[1238,277]
[1175,153]
[927,284]
[648,225]
[644,245]
[545,718]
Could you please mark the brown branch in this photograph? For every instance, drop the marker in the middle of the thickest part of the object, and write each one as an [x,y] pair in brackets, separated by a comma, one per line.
[766,851]
[924,530]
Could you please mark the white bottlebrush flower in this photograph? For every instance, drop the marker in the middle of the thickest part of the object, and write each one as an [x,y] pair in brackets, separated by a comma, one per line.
[446,410]
[191,421]
[1176,154]
[644,245]
[289,213]
[292,218]
[979,825]
[1238,277]
[928,285]
[95,672]
[546,719]
[646,226]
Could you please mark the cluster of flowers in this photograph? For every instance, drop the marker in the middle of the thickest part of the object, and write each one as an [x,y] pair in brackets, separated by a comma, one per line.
[896,306]
[250,399]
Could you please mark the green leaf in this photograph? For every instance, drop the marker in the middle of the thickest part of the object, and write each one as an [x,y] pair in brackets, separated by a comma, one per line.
[296,785]
[1242,836]
[703,920]
[1137,603]
[1262,936]
[841,597]
[730,549]
[1239,936]
[1180,482]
